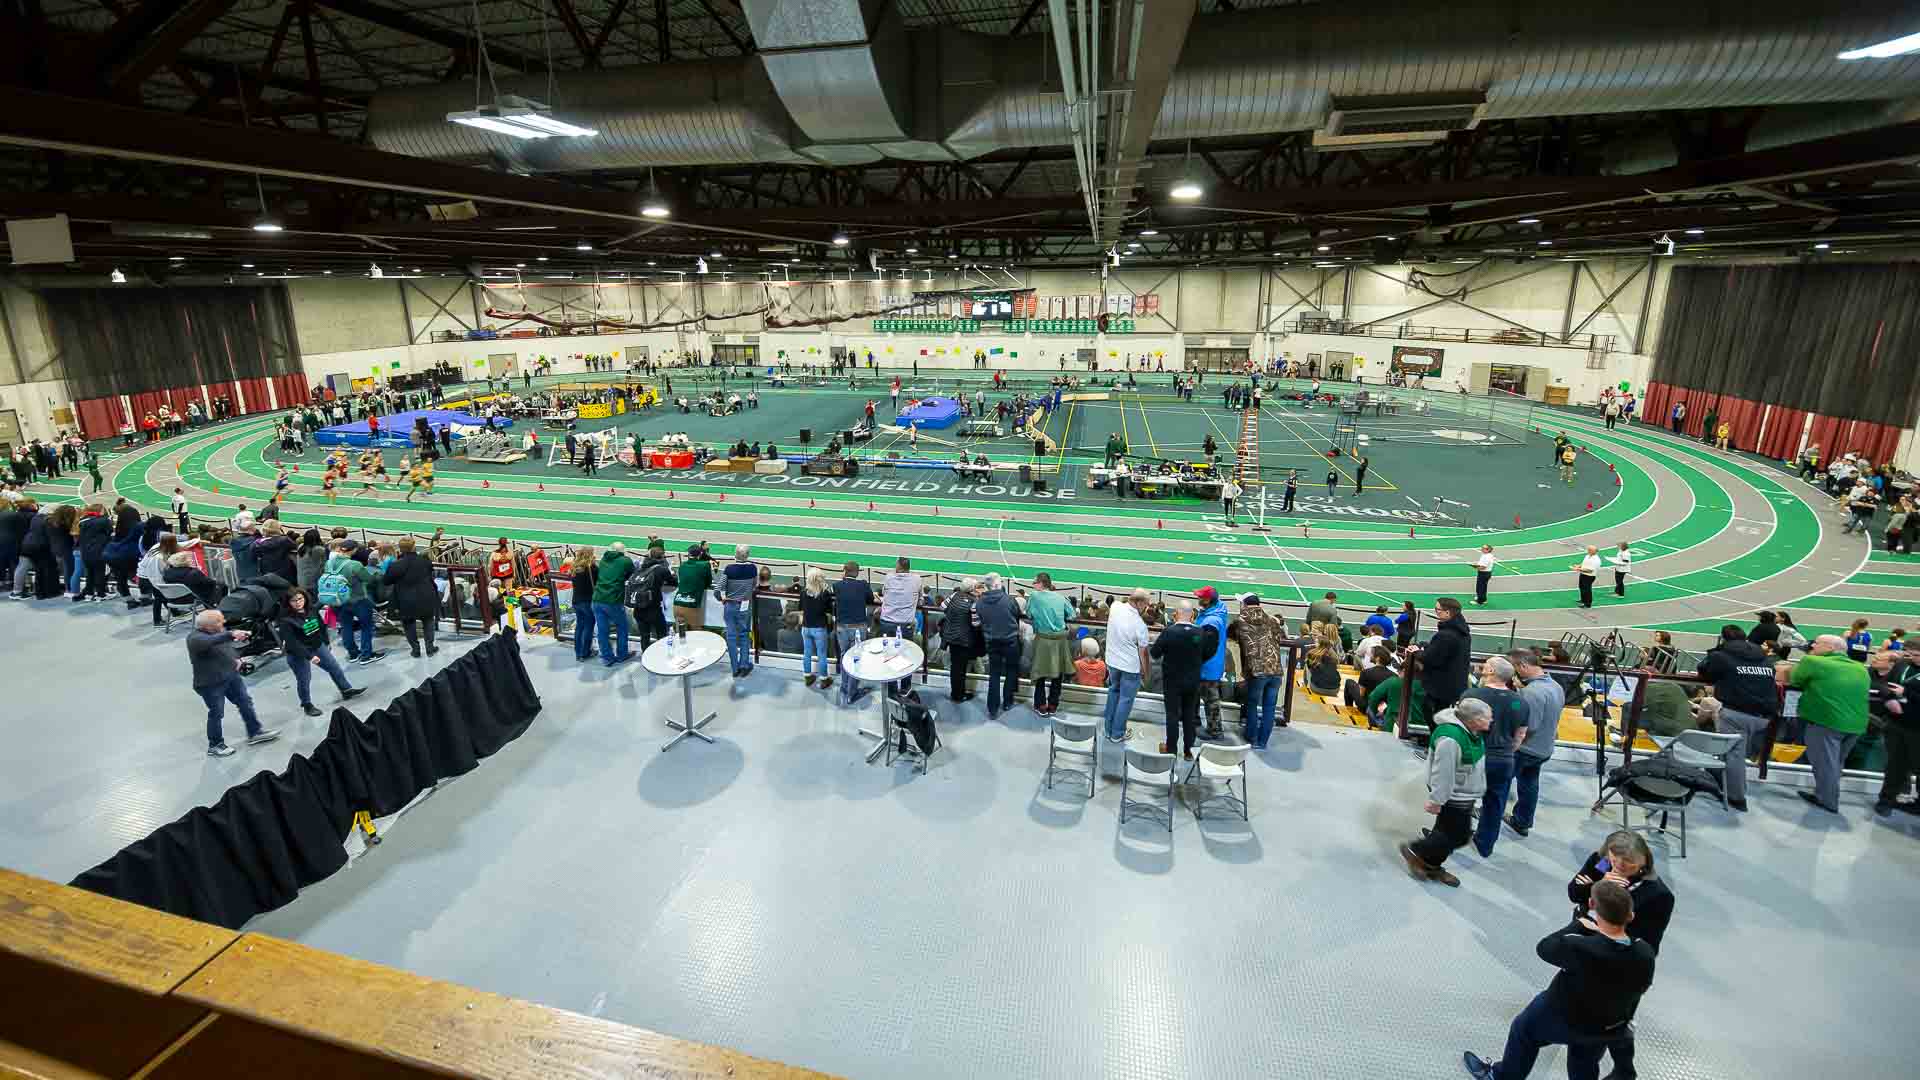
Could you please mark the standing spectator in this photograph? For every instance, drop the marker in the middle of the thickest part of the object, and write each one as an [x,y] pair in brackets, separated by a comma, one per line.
[1679,416]
[609,604]
[998,618]
[1127,659]
[1902,734]
[1048,611]
[1403,624]
[1262,665]
[1766,632]
[303,635]
[1592,999]
[1833,702]
[1505,734]
[1456,779]
[1587,569]
[816,604]
[1333,480]
[343,587]
[1293,489]
[94,531]
[416,598]
[1625,860]
[1709,423]
[216,678]
[1861,503]
[582,571]
[273,553]
[1446,656]
[1379,624]
[1213,613]
[1229,491]
[735,593]
[1545,699]
[647,595]
[853,603]
[900,600]
[690,600]
[1323,610]
[1182,649]
[1622,560]
[1482,573]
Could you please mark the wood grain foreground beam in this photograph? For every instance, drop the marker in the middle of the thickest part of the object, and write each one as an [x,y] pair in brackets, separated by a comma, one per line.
[91,986]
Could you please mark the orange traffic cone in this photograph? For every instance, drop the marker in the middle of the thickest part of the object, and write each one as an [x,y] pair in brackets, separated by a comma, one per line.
[296,468]
[1516,521]
[669,493]
[869,505]
[1616,479]
[1158,524]
[1409,532]
[216,489]
[610,491]
[1589,508]
[486,483]
[809,504]
[543,487]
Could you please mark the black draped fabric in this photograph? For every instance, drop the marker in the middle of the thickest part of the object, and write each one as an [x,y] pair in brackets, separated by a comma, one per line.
[128,341]
[266,839]
[1831,339]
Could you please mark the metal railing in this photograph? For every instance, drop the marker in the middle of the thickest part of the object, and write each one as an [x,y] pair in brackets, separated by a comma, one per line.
[1511,335]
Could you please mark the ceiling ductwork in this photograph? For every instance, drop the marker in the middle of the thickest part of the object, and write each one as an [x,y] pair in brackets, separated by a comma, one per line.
[1779,127]
[839,82]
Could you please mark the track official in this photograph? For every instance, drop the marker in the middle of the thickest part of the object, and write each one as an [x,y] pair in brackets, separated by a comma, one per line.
[1588,569]
[1483,573]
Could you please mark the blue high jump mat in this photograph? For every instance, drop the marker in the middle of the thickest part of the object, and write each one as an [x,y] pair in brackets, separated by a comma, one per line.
[396,431]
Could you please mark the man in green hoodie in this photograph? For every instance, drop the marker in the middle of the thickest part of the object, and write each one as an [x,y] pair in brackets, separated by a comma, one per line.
[1456,779]
[689,601]
[610,603]
[343,587]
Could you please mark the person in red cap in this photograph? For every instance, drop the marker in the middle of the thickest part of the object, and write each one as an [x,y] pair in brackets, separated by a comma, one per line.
[1214,615]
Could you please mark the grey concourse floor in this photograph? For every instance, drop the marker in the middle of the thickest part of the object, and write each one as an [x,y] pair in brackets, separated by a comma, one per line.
[773,893]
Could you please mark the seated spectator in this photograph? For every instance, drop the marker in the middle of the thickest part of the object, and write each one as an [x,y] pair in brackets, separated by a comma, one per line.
[1089,670]
[1374,670]
[1664,708]
[789,634]
[1383,705]
[181,571]
[1661,656]
[1323,658]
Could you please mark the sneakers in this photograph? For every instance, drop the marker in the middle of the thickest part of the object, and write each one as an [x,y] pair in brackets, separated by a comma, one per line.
[416,654]
[265,735]
[368,658]
[310,710]
[433,650]
[826,682]
[1477,1067]
[810,679]
[219,750]
[352,692]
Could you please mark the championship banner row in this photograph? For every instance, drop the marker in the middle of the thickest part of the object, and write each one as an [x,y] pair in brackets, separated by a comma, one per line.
[1009,326]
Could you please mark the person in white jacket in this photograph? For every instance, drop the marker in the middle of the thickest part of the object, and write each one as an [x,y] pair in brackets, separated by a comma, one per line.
[1456,779]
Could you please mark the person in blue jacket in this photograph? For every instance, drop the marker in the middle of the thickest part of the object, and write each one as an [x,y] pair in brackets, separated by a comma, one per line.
[1378,623]
[1213,612]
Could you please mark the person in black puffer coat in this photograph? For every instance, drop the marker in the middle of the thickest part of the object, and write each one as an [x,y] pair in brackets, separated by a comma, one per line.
[273,553]
[94,532]
[13,533]
[416,598]
[963,640]
[1446,657]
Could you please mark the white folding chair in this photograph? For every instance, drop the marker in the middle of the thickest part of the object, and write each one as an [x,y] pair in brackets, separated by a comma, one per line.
[1074,738]
[1151,771]
[178,603]
[1706,750]
[1226,764]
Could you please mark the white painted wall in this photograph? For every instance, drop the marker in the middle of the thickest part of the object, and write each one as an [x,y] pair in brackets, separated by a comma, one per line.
[26,364]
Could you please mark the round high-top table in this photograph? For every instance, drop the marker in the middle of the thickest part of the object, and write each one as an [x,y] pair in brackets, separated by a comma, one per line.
[876,661]
[694,652]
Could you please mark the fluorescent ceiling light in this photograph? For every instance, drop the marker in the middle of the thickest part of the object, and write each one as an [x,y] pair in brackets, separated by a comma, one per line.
[913,251]
[176,258]
[1149,231]
[525,228]
[1529,221]
[246,266]
[1323,247]
[1545,243]
[267,225]
[520,118]
[840,239]
[542,258]
[118,277]
[1696,232]
[583,246]
[1899,46]
[1821,246]
[1186,189]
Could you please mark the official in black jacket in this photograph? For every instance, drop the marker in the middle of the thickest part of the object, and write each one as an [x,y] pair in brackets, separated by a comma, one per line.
[1446,658]
[1181,649]
[94,531]
[1592,999]
[416,599]
[1742,676]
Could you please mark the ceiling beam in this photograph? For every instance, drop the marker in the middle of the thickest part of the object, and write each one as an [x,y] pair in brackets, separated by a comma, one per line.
[607,28]
[1160,32]
[570,19]
[135,63]
[413,26]
[744,45]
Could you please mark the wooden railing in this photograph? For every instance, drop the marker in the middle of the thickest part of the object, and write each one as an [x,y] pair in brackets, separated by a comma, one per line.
[96,987]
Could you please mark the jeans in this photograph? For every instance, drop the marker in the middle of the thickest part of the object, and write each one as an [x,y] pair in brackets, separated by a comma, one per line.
[739,646]
[1526,783]
[74,565]
[583,630]
[217,696]
[1003,674]
[813,644]
[302,669]
[1263,695]
[1122,688]
[356,616]
[1827,751]
[610,623]
[1451,829]
[1494,802]
[1540,1025]
[845,639]
[1735,722]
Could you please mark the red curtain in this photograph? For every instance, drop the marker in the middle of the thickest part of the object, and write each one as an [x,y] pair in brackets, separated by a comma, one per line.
[256,391]
[1834,436]
[1782,436]
[99,417]
[291,389]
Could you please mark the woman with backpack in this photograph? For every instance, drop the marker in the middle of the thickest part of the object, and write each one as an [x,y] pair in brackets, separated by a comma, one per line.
[343,587]
[646,594]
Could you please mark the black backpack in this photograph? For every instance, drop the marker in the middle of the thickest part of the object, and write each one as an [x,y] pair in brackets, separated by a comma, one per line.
[916,720]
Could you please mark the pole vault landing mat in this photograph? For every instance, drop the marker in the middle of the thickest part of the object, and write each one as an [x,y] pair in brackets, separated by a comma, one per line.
[930,413]
[396,431]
